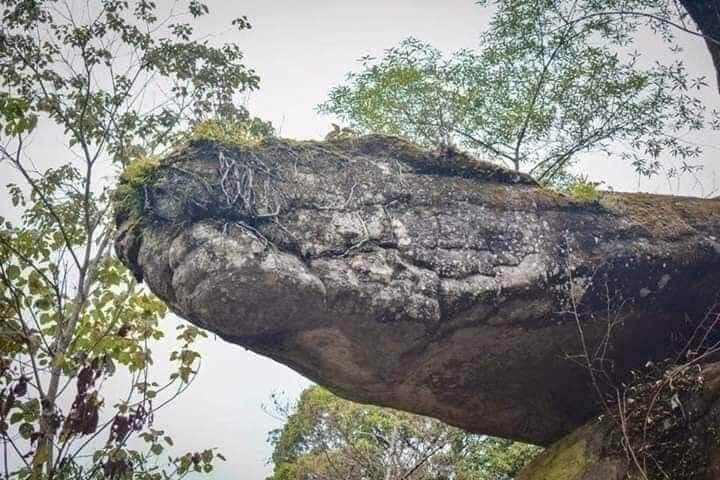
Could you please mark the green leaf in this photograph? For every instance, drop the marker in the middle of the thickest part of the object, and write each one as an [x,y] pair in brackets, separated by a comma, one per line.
[12,272]
[97,455]
[156,449]
[26,430]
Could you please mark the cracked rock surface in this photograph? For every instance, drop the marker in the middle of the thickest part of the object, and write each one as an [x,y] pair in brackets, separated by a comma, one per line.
[423,280]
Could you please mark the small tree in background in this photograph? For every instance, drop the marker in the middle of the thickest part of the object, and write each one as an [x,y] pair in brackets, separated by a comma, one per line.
[552,80]
[326,437]
[120,82]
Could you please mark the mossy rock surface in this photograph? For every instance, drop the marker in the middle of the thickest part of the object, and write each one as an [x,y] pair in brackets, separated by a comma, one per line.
[578,456]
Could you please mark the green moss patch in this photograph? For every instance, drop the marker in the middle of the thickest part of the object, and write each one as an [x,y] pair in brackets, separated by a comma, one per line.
[225,132]
[565,460]
[659,215]
[130,196]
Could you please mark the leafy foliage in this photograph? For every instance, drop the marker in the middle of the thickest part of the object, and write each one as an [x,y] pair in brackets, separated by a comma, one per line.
[71,316]
[326,437]
[230,131]
[486,458]
[129,194]
[583,188]
[551,81]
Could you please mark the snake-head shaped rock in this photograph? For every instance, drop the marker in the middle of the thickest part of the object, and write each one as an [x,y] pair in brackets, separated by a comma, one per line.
[422,280]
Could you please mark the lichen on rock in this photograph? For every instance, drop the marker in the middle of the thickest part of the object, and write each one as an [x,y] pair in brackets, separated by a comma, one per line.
[568,459]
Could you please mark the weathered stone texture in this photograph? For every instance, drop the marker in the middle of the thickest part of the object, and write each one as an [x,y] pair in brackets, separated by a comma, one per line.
[425,281]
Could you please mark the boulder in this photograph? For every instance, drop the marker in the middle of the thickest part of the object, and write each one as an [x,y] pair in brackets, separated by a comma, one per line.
[422,280]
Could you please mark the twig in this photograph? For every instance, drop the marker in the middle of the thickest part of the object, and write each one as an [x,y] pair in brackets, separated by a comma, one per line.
[361,242]
[339,206]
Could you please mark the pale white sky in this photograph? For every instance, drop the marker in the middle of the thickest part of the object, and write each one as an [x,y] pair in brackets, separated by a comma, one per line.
[301,49]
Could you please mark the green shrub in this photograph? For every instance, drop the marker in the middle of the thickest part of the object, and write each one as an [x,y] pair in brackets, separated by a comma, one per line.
[129,197]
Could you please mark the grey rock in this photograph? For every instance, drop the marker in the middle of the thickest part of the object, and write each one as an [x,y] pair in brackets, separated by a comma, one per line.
[423,280]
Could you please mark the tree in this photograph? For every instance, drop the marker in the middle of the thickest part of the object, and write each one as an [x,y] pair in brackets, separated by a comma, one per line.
[662,16]
[486,458]
[551,81]
[121,82]
[326,437]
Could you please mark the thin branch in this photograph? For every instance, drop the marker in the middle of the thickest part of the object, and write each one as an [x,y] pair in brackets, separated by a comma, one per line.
[631,13]
[44,200]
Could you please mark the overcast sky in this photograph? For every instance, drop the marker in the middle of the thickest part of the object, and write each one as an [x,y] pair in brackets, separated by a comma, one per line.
[301,49]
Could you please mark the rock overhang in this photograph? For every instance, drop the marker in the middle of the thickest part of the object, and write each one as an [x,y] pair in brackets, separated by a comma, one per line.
[422,280]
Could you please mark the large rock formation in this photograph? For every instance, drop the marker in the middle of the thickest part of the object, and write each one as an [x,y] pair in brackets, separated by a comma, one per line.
[426,281]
